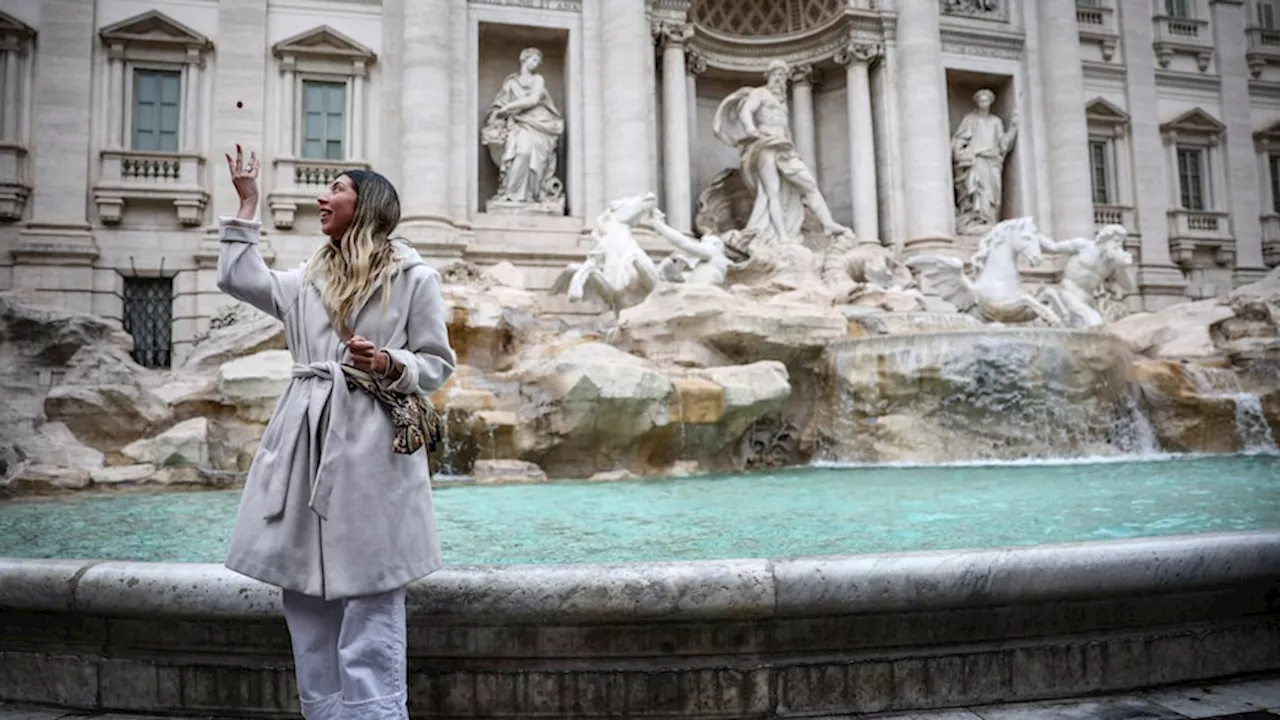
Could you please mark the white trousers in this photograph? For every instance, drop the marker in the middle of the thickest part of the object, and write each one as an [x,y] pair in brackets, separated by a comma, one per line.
[349,655]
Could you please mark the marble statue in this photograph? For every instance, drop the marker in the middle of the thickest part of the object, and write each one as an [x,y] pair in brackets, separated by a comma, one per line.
[755,121]
[970,7]
[849,268]
[996,294]
[617,271]
[697,262]
[1098,274]
[522,129]
[979,147]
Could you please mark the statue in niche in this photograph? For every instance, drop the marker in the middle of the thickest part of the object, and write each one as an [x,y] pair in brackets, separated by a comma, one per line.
[696,262]
[522,129]
[755,121]
[617,271]
[1096,278]
[978,151]
[995,294]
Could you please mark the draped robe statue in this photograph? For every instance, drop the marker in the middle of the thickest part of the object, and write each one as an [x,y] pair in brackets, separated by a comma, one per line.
[522,131]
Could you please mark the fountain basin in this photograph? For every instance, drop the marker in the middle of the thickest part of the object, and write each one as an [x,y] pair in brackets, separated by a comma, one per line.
[737,638]
[984,394]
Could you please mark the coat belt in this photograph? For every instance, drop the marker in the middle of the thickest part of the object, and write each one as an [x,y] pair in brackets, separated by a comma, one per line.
[297,415]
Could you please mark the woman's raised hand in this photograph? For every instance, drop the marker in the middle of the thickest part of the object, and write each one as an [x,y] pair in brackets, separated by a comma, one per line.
[244,176]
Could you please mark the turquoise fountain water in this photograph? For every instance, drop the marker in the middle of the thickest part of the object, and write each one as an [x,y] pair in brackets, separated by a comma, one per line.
[814,511]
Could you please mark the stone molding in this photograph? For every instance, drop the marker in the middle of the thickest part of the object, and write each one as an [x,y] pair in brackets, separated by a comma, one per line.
[845,635]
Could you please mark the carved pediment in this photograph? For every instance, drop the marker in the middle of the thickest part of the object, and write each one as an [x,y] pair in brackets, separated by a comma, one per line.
[322,41]
[13,27]
[154,28]
[1268,138]
[1103,111]
[1194,122]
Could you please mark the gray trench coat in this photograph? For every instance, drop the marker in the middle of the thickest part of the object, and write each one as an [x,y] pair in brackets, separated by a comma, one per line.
[328,509]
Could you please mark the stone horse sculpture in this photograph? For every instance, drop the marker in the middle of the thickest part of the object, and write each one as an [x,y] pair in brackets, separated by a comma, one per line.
[996,294]
[617,271]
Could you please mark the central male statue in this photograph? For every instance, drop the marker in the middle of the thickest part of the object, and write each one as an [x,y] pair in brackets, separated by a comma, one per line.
[755,120]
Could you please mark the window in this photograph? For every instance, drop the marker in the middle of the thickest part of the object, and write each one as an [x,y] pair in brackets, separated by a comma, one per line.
[1273,165]
[1191,176]
[1100,171]
[1177,8]
[1267,14]
[148,317]
[323,106]
[157,103]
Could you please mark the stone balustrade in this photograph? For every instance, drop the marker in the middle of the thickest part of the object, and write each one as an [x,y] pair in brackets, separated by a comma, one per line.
[150,176]
[14,186]
[1190,230]
[1098,24]
[1115,215]
[1263,48]
[297,183]
[1183,34]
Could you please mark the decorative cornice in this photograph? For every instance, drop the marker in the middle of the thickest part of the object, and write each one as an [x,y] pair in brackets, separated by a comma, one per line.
[574,6]
[753,54]
[1264,89]
[1188,81]
[989,10]
[153,28]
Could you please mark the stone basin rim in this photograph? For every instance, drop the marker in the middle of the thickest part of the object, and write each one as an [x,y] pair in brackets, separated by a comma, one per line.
[689,590]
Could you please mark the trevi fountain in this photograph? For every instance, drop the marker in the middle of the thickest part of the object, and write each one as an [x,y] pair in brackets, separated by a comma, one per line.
[734,349]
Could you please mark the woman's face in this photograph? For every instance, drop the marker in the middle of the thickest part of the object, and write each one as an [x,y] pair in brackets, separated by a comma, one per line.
[337,207]
[530,62]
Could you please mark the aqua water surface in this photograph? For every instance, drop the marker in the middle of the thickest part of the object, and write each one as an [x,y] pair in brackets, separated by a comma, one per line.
[810,511]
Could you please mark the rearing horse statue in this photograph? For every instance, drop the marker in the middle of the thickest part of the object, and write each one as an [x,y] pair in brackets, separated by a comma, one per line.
[996,293]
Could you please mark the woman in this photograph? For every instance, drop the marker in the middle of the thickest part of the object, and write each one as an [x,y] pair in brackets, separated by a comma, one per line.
[330,513]
[522,130]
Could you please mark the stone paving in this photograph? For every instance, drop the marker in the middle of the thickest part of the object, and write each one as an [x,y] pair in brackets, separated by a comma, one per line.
[1245,699]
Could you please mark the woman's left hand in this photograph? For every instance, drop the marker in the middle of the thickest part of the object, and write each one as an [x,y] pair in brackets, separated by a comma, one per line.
[366,356]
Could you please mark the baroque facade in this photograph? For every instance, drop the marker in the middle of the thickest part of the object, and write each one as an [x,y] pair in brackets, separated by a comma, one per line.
[1159,115]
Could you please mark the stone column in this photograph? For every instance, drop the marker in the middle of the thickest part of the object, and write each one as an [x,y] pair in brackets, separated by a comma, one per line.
[288,110]
[803,129]
[425,118]
[857,57]
[1068,132]
[1243,189]
[624,30]
[115,101]
[1162,283]
[892,141]
[358,111]
[677,201]
[191,110]
[926,139]
[696,64]
[387,159]
[58,234]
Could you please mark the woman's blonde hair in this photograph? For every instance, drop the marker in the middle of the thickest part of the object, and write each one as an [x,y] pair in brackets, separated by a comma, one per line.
[364,255]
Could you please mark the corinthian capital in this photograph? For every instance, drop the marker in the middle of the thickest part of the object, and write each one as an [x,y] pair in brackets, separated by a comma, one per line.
[804,74]
[694,61]
[668,32]
[859,51]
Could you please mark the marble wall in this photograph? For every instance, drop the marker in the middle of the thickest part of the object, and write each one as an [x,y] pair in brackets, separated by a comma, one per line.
[605,71]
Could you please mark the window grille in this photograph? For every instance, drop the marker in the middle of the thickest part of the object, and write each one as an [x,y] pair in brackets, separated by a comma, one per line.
[148,317]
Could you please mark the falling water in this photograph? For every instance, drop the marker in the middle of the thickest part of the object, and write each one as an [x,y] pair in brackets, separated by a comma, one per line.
[1251,423]
[989,393]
